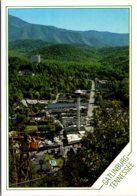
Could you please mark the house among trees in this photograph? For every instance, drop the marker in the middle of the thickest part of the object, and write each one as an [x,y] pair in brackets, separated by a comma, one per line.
[25,72]
[102,85]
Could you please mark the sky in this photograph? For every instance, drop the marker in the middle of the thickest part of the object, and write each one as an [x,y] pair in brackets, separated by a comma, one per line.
[101,19]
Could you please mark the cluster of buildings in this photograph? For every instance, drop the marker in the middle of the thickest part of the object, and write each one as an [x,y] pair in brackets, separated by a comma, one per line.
[70,114]
[73,114]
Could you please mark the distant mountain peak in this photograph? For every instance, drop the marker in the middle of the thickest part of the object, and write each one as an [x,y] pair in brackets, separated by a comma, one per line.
[21,30]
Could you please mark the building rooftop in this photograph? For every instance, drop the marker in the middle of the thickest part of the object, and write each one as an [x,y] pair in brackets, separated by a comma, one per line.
[78,91]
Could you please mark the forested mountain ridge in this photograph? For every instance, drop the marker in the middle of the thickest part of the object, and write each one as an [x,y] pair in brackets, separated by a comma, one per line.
[21,30]
[66,52]
[62,52]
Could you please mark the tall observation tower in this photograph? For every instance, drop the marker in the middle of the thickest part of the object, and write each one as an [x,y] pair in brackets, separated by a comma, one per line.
[78,93]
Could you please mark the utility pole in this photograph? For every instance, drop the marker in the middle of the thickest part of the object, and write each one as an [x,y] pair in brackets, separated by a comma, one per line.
[15,176]
[25,164]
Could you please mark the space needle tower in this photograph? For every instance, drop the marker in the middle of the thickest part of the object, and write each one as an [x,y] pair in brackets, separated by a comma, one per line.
[78,93]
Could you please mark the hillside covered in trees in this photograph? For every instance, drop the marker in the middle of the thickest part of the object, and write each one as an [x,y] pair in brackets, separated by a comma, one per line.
[66,68]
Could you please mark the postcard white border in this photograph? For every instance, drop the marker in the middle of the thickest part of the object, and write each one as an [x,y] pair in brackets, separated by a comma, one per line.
[128,185]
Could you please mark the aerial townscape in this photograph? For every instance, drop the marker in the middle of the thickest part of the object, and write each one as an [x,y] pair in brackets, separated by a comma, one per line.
[68,104]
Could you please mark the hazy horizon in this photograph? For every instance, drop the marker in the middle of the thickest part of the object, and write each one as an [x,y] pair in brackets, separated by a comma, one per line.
[114,20]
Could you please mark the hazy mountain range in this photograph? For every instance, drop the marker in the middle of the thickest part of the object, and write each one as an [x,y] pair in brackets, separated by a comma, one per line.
[21,30]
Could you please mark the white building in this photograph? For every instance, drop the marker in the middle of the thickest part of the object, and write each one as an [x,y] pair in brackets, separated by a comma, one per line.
[36,58]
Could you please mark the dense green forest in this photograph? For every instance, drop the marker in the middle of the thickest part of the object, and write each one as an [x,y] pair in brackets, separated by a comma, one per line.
[65,68]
